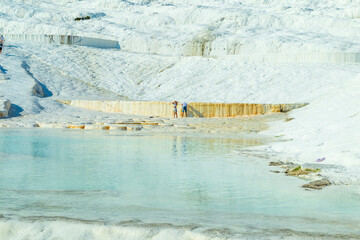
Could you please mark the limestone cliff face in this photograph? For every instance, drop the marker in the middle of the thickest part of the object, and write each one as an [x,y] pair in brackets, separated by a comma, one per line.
[195,109]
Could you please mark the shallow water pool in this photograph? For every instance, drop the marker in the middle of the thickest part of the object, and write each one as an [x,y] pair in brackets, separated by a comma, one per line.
[63,184]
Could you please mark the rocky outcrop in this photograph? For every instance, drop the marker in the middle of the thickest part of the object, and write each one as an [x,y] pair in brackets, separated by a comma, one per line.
[298,171]
[38,90]
[317,185]
[4,107]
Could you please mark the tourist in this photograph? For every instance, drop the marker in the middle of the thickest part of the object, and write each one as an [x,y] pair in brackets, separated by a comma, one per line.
[2,40]
[175,115]
[184,109]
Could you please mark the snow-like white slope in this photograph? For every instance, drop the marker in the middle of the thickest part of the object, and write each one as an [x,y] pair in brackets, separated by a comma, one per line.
[205,28]
[68,70]
[328,127]
[271,51]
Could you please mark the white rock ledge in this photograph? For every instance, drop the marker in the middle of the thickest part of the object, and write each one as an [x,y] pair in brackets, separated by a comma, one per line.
[66,39]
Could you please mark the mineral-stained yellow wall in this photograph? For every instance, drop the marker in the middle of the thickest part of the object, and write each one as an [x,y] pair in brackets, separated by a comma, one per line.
[195,109]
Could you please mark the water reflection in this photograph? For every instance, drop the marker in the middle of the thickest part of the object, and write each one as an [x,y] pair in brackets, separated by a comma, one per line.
[179,146]
[182,146]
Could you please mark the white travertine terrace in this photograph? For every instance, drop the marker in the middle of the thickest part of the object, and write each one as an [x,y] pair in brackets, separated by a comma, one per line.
[65,39]
[256,30]
[278,55]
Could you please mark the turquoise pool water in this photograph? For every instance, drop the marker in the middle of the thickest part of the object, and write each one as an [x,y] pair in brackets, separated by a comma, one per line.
[62,184]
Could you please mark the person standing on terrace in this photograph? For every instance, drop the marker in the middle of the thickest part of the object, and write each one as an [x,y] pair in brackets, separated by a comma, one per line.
[184,109]
[174,103]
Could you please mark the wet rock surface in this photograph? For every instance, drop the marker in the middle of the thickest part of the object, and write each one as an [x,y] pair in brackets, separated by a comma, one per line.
[282,164]
[317,185]
[279,163]
[298,171]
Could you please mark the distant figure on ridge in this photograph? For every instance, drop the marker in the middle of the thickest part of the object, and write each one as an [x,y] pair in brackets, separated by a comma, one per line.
[2,40]
[175,115]
[184,109]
